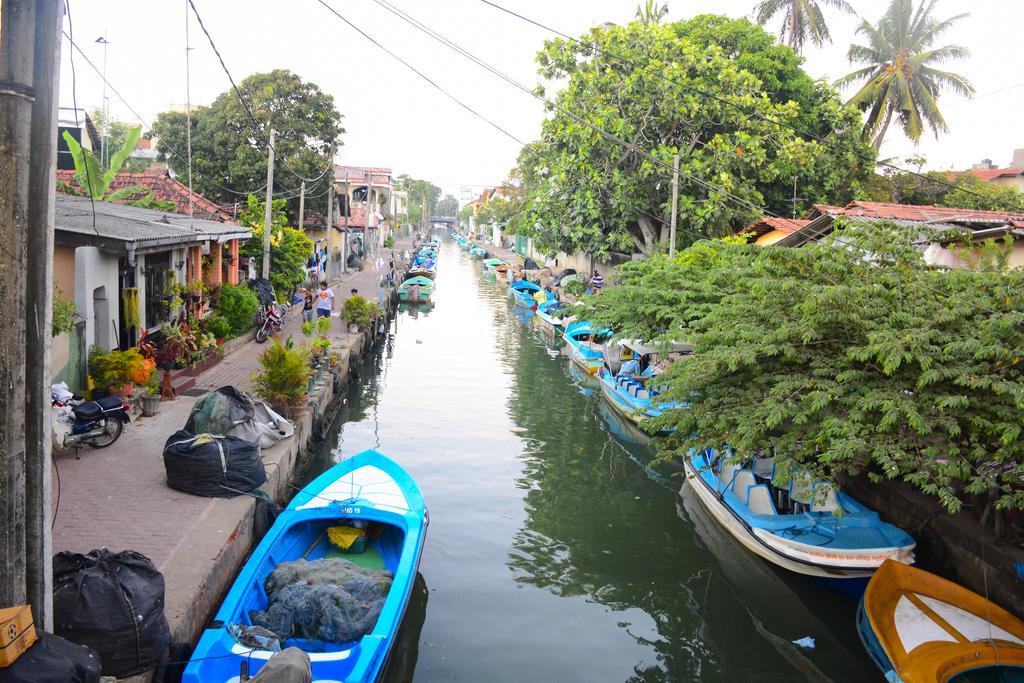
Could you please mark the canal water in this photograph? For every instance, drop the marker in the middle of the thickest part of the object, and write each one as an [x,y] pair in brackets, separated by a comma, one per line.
[552,554]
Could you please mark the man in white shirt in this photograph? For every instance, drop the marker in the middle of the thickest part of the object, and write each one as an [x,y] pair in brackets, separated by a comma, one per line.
[324,301]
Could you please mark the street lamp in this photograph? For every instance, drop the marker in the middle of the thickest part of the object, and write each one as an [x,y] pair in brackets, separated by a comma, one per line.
[104,152]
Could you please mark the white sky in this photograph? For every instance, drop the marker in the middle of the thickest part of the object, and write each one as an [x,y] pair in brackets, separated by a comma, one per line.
[393,118]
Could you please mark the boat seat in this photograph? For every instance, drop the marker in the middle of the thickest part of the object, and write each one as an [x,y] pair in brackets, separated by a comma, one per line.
[642,394]
[801,488]
[726,474]
[759,500]
[764,468]
[743,480]
[824,498]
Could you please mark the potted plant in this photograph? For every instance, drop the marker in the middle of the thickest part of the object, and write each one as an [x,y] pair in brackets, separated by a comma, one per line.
[282,379]
[356,312]
[119,371]
[151,391]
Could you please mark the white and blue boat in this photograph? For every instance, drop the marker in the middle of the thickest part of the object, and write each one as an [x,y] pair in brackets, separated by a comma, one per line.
[477,252]
[629,381]
[554,314]
[586,345]
[368,489]
[523,291]
[805,526]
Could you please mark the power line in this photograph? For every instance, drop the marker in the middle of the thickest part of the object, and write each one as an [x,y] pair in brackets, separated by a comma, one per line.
[74,103]
[710,187]
[419,73]
[146,124]
[739,107]
[248,110]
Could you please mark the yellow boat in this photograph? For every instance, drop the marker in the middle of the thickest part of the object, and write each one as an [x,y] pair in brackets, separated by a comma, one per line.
[920,628]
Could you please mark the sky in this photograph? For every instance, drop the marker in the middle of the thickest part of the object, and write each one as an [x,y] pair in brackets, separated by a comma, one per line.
[394,118]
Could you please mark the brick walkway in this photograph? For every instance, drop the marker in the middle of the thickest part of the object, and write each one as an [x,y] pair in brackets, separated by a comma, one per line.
[118,497]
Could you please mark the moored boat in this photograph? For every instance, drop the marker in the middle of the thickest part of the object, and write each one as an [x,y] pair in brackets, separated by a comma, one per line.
[586,345]
[525,293]
[815,530]
[921,628]
[477,252]
[415,289]
[366,491]
[554,314]
[492,263]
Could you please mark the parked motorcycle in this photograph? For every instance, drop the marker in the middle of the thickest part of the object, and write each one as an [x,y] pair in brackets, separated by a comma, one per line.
[270,321]
[94,423]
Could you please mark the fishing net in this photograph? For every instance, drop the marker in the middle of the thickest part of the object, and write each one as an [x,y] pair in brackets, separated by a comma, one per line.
[331,600]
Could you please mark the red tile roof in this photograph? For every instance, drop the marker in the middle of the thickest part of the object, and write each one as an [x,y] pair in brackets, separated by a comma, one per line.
[357,174]
[924,213]
[357,218]
[993,173]
[165,188]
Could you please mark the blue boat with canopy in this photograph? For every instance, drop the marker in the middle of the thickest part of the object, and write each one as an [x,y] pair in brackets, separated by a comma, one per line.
[803,525]
[629,378]
[371,502]
[586,345]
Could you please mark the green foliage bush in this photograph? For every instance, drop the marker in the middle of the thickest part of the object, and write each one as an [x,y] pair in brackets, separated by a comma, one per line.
[389,241]
[65,313]
[238,305]
[357,311]
[285,371]
[217,325]
[574,288]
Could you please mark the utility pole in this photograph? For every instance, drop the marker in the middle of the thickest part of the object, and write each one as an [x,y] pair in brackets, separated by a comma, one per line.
[675,206]
[330,213]
[302,206]
[267,216]
[188,114]
[344,235]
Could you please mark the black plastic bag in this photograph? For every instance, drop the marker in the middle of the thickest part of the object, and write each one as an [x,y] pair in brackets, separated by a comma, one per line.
[51,659]
[113,603]
[212,465]
[264,290]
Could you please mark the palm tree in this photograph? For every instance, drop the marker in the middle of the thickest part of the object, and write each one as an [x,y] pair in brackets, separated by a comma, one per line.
[802,19]
[651,12]
[900,77]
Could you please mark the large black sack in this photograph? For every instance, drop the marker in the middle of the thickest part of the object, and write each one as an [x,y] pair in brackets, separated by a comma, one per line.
[113,603]
[264,290]
[51,659]
[212,465]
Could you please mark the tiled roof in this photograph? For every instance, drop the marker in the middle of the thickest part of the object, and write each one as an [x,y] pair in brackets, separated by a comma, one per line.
[163,187]
[993,173]
[924,213]
[357,174]
[357,217]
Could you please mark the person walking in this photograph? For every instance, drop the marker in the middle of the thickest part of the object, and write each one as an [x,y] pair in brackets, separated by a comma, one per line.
[596,282]
[325,301]
[307,305]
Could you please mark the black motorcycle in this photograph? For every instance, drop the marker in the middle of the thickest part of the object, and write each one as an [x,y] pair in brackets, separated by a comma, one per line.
[269,321]
[96,423]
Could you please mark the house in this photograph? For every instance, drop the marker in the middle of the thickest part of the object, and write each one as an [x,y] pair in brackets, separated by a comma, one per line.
[110,256]
[820,221]
[770,229]
[365,203]
[159,181]
[1012,176]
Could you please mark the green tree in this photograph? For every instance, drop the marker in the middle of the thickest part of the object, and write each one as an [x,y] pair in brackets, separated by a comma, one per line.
[117,133]
[447,206]
[901,77]
[420,192]
[838,361]
[584,192]
[230,151]
[801,20]
[290,249]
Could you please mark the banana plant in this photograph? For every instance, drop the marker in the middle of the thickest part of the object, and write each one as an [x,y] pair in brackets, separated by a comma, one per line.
[92,177]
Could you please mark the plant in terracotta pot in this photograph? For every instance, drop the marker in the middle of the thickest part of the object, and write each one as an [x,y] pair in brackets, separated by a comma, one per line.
[119,371]
[282,379]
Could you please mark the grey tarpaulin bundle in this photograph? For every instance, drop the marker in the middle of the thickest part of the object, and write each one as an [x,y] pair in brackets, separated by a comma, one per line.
[114,604]
[231,412]
[212,465]
[330,599]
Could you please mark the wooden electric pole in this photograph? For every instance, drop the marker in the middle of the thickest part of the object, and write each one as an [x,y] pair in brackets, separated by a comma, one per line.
[302,205]
[675,206]
[268,214]
[330,217]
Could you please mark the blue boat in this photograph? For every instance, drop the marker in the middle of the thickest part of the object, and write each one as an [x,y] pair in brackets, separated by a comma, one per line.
[368,488]
[628,379]
[522,291]
[586,345]
[554,314]
[804,526]
[478,252]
